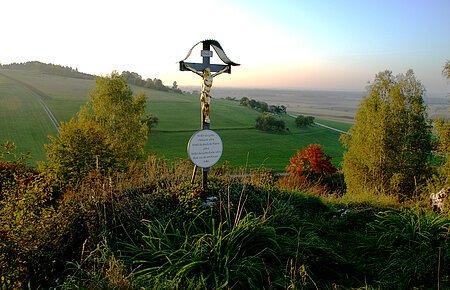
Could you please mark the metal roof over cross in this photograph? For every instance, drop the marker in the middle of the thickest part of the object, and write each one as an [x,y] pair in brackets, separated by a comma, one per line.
[207,54]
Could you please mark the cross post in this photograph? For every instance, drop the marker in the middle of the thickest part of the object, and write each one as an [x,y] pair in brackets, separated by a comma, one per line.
[207,71]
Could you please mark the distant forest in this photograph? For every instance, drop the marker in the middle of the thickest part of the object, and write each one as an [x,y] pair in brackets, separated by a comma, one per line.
[67,71]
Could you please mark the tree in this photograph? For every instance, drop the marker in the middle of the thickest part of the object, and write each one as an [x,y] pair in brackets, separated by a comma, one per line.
[446,70]
[311,170]
[263,106]
[443,133]
[267,122]
[120,114]
[158,84]
[253,104]
[151,120]
[244,101]
[311,163]
[303,121]
[79,148]
[110,132]
[390,143]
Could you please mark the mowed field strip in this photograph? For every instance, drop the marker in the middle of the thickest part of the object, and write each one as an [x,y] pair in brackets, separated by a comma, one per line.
[179,118]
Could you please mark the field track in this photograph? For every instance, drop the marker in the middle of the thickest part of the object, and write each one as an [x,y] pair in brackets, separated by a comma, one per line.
[41,96]
[325,126]
[331,128]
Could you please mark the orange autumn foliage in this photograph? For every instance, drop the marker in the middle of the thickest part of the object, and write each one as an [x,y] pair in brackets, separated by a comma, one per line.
[310,164]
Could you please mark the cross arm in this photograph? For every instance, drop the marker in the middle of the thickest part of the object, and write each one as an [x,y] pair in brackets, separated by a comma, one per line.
[202,67]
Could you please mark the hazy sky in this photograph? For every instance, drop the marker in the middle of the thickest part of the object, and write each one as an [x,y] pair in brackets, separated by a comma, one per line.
[280,44]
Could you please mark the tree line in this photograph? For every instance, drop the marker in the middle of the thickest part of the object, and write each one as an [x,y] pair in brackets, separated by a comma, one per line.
[136,79]
[48,68]
[262,106]
[67,71]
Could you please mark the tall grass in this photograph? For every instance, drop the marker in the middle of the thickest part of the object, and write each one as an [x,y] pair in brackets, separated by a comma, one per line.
[207,254]
[414,247]
[150,227]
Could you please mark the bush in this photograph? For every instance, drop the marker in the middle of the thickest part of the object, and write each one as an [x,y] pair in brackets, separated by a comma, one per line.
[37,233]
[311,168]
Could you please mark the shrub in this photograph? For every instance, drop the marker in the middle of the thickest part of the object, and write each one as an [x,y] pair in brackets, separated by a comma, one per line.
[311,168]
[37,232]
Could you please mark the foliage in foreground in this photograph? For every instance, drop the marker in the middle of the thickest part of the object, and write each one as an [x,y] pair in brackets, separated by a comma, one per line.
[149,227]
[207,253]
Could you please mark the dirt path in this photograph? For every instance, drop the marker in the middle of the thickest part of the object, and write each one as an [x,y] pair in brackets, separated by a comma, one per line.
[331,128]
[41,96]
[325,126]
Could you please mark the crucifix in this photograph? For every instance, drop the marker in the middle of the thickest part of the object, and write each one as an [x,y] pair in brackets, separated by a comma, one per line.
[207,71]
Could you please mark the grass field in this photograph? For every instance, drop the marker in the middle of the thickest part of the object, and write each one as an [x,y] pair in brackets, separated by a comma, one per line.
[25,123]
[22,119]
[246,145]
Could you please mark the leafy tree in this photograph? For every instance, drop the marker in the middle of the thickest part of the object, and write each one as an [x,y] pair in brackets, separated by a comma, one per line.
[133,78]
[267,122]
[120,114]
[390,143]
[253,104]
[277,109]
[311,163]
[303,121]
[443,132]
[175,88]
[80,147]
[446,70]
[263,106]
[244,101]
[311,170]
[151,120]
[158,84]
[149,83]
[110,132]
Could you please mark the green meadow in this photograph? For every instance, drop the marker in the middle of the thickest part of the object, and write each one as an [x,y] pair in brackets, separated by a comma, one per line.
[23,119]
[24,122]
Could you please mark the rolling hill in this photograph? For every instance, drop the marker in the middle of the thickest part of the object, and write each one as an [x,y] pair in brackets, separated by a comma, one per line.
[27,97]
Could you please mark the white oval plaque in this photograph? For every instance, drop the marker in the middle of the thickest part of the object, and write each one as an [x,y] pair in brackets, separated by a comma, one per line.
[205,148]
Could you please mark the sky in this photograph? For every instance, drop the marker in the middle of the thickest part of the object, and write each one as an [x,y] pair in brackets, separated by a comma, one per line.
[292,44]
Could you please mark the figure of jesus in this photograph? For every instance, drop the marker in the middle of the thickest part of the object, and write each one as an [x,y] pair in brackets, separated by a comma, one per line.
[205,96]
